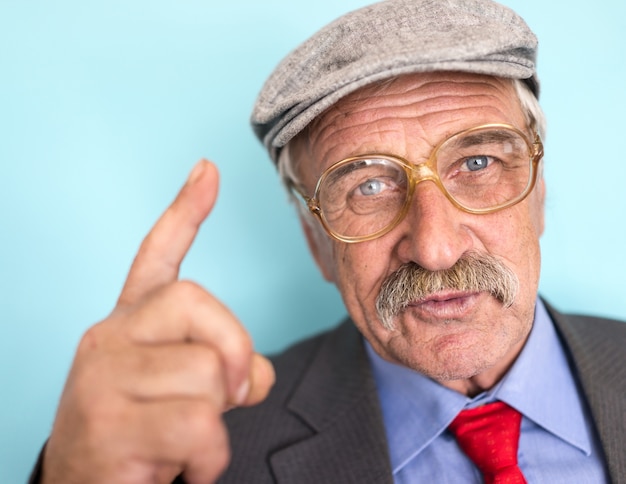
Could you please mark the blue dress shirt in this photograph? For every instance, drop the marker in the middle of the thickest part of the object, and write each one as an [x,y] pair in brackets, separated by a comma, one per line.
[558,443]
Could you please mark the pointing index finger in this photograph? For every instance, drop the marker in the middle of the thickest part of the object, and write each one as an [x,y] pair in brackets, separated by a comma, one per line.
[162,251]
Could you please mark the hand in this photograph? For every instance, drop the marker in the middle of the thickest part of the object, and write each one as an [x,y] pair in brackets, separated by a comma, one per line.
[144,398]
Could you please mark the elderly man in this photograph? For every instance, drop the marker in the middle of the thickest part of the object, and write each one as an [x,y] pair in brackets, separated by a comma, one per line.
[411,133]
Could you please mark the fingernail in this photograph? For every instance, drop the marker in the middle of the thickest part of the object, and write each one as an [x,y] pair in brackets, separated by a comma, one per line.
[196,172]
[242,392]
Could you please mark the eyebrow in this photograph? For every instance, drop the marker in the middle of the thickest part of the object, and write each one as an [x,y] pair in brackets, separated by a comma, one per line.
[485,137]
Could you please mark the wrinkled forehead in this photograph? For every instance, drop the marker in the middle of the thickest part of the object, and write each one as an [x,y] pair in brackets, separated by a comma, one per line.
[406,116]
[418,94]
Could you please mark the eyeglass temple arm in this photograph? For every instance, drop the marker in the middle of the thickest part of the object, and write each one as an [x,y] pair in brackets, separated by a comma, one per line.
[311,203]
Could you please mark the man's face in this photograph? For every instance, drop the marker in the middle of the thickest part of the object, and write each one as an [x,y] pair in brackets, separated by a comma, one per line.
[464,340]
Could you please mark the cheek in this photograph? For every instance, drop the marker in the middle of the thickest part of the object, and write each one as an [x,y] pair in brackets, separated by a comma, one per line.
[515,238]
[512,235]
[360,270]
[519,227]
[352,267]
[516,241]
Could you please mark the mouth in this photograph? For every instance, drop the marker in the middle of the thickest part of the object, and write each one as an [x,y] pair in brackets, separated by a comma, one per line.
[448,305]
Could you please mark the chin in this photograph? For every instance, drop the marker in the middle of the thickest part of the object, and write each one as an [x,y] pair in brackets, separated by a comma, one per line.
[455,371]
[452,366]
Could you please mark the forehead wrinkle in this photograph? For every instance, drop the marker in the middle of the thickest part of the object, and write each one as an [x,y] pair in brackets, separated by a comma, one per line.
[441,104]
[396,105]
[411,106]
[406,92]
[391,132]
[331,131]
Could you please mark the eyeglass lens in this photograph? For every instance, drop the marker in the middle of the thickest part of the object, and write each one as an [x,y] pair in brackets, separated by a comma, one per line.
[480,170]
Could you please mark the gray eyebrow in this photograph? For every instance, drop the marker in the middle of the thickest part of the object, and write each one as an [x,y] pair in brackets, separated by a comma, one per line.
[485,137]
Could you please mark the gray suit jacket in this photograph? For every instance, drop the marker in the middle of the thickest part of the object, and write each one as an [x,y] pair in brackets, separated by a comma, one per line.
[322,422]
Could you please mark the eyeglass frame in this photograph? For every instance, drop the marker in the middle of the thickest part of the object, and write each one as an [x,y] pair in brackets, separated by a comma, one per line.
[417,173]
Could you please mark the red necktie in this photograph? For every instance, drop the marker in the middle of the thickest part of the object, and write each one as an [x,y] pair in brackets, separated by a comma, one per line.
[489,436]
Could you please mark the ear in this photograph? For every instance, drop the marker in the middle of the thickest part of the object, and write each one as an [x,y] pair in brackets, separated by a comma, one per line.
[321,248]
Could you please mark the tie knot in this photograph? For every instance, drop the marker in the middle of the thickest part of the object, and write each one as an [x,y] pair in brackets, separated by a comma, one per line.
[489,436]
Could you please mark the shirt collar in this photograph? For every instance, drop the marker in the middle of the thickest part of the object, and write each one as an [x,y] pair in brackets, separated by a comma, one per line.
[541,385]
[416,409]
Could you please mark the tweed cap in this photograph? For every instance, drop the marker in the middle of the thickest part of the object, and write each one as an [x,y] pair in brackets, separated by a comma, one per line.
[385,40]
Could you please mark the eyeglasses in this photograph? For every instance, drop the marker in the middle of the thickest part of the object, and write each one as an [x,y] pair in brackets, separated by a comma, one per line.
[480,170]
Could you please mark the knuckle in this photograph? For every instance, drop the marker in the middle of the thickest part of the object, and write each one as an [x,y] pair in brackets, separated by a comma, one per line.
[187,290]
[237,353]
[92,339]
[238,350]
[245,345]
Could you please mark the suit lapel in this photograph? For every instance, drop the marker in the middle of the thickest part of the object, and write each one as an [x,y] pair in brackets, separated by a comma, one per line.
[597,347]
[337,398]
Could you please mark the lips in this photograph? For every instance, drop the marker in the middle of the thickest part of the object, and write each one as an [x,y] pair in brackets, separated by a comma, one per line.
[445,305]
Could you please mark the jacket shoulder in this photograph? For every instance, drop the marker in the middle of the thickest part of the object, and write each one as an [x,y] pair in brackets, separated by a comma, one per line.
[596,348]
[591,336]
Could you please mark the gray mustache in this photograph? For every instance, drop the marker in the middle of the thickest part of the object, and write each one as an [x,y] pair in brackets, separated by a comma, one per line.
[472,272]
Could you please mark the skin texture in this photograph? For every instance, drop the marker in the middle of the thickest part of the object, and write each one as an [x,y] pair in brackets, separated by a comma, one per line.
[464,341]
[145,395]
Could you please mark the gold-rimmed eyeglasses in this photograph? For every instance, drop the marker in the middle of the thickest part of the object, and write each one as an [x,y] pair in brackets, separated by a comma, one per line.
[480,170]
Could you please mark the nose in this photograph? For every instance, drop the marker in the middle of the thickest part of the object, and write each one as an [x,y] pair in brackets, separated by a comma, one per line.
[435,236]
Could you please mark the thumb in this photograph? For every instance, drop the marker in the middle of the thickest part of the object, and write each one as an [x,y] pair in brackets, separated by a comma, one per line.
[260,381]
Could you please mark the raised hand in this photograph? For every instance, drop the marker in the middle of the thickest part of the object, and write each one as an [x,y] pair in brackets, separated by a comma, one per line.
[144,398]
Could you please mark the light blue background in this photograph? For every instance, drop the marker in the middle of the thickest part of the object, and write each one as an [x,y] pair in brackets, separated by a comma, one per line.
[106,105]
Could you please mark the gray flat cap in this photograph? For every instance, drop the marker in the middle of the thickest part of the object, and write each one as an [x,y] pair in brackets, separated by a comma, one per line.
[385,40]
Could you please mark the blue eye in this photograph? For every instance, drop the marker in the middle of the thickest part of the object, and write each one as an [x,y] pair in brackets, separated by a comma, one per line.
[371,187]
[476,163]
